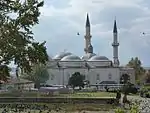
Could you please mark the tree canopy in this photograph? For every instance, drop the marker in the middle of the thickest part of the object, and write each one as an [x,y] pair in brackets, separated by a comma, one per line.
[4,73]
[125,78]
[76,80]
[137,65]
[147,78]
[38,75]
[16,37]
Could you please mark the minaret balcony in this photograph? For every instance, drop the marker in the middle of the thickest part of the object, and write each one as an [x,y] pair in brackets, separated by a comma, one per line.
[115,44]
[87,36]
[85,49]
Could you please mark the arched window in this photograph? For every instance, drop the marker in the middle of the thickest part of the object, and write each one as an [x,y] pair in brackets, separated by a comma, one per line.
[109,76]
[98,77]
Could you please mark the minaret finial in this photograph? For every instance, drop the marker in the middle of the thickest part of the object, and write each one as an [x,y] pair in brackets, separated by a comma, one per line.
[87,21]
[115,26]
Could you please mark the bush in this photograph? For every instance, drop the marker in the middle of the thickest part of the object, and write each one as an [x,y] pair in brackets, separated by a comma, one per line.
[133,109]
[129,88]
[145,92]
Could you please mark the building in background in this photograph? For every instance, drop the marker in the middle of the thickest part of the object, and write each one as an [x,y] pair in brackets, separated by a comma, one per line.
[97,69]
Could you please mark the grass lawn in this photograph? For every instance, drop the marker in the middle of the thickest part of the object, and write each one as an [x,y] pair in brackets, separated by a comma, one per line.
[71,95]
[89,94]
[147,87]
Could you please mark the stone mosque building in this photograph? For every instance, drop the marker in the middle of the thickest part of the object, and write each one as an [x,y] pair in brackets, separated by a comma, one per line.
[97,69]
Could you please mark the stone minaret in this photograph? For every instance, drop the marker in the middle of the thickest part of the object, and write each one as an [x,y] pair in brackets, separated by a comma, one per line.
[115,45]
[87,35]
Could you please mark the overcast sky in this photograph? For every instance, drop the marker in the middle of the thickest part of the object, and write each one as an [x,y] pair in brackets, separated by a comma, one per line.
[60,21]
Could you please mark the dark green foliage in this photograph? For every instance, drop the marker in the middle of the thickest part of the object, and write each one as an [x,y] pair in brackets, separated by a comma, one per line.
[144,92]
[4,72]
[76,80]
[147,78]
[16,36]
[38,75]
[137,65]
[124,79]
[129,88]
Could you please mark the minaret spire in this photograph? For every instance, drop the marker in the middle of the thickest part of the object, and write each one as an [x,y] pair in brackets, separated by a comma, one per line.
[87,21]
[87,34]
[115,27]
[115,45]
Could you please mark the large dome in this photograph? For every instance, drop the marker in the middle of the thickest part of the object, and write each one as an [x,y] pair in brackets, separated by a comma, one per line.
[98,58]
[71,58]
[61,55]
[88,56]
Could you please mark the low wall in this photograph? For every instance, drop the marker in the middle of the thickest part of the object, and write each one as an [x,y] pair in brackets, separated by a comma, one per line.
[59,100]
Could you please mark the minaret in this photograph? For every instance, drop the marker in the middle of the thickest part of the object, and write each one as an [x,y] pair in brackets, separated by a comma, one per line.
[115,45]
[87,35]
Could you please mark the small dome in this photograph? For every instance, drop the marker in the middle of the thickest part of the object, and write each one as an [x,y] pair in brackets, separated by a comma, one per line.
[61,55]
[71,58]
[98,58]
[88,56]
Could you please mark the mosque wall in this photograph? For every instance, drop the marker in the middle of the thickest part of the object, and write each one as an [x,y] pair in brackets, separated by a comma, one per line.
[95,76]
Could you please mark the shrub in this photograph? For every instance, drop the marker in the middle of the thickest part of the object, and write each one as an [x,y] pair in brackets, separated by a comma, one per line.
[129,88]
[144,92]
[119,111]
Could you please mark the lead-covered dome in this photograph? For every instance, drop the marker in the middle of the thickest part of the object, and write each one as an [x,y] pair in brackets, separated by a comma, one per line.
[61,55]
[71,58]
[88,56]
[98,58]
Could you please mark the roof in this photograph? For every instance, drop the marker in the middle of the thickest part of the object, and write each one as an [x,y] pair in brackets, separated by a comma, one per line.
[115,27]
[87,21]
[98,58]
[88,56]
[61,55]
[108,82]
[71,58]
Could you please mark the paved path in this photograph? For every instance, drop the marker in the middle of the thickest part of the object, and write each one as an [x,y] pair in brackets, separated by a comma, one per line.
[144,103]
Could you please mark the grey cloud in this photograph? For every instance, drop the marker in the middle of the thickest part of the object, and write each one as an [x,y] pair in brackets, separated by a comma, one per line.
[125,16]
[59,4]
[60,33]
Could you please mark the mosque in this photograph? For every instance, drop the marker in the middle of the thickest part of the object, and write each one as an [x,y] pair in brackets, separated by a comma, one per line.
[97,69]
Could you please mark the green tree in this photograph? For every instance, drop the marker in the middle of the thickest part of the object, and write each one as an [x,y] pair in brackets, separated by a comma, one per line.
[137,65]
[76,80]
[147,77]
[38,75]
[16,37]
[4,73]
[124,79]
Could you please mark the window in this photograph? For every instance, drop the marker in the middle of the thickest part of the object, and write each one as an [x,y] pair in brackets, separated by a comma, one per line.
[52,77]
[97,77]
[109,76]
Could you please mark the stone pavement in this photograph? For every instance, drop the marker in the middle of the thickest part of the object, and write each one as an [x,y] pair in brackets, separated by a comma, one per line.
[144,103]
